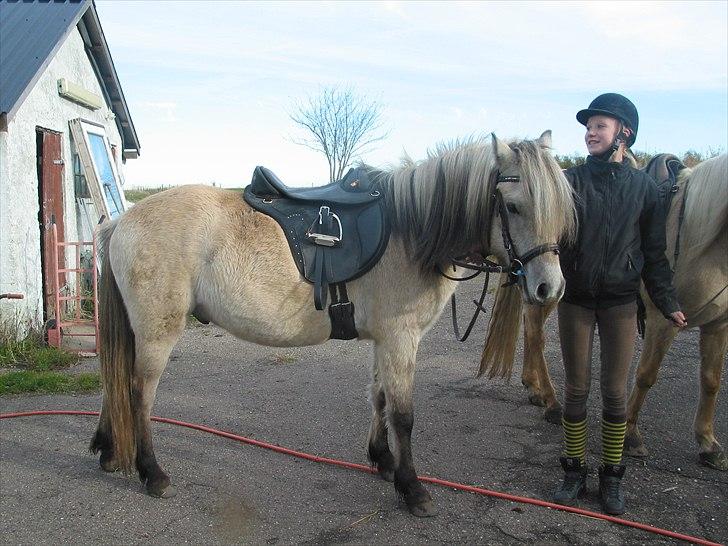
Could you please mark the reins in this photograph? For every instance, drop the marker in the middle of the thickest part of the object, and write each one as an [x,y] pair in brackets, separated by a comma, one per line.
[515,269]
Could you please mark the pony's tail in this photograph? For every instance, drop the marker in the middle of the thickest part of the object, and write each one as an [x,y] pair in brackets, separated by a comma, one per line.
[116,353]
[503,330]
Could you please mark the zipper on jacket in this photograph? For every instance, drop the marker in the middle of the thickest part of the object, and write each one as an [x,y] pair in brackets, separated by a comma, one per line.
[608,215]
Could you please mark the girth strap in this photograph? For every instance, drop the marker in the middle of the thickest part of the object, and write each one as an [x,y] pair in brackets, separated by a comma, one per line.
[341,313]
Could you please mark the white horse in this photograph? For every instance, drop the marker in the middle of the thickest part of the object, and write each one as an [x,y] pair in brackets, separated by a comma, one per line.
[701,281]
[205,251]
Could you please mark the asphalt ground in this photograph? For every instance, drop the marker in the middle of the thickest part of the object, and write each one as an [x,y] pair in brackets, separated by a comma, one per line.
[474,431]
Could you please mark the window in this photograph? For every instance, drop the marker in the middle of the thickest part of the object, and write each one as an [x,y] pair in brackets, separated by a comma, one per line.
[79,179]
[102,177]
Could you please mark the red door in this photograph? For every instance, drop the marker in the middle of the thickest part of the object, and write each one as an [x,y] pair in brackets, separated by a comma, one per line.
[50,180]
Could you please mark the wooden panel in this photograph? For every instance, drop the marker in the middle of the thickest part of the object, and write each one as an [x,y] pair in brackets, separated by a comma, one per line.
[50,162]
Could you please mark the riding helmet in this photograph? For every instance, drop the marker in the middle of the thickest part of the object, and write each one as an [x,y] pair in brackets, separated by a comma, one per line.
[616,106]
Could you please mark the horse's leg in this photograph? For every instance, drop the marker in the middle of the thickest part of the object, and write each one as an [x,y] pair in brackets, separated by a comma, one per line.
[396,365]
[379,452]
[102,441]
[529,376]
[659,334]
[535,375]
[713,347]
[151,359]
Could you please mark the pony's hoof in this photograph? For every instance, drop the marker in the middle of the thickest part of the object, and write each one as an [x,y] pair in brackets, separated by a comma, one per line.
[425,509]
[162,492]
[536,400]
[716,460]
[109,465]
[553,415]
[386,474]
[634,447]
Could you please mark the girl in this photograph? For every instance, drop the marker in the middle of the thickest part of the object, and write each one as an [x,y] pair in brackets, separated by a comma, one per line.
[621,240]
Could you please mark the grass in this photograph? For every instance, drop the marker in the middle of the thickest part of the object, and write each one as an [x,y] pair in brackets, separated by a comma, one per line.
[32,353]
[24,381]
[137,194]
[30,365]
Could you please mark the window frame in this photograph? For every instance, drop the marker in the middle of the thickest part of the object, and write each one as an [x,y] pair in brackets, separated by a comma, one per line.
[84,128]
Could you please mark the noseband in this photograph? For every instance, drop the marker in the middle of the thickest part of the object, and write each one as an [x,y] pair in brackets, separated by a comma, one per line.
[517,262]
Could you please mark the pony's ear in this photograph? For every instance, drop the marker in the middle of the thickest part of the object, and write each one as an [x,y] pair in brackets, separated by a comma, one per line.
[544,141]
[503,152]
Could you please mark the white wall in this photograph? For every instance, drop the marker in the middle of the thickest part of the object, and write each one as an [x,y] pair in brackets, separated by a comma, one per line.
[20,235]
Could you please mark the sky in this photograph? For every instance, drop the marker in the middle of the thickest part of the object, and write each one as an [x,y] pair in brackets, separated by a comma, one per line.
[211,85]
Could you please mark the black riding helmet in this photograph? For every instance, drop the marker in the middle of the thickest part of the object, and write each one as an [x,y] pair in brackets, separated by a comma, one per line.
[616,106]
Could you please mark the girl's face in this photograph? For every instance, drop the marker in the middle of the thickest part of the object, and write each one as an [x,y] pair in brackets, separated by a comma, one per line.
[600,133]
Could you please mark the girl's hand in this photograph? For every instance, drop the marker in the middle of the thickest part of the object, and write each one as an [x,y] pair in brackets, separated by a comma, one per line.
[679,319]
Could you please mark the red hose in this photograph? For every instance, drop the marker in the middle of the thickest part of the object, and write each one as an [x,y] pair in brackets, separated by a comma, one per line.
[369,470]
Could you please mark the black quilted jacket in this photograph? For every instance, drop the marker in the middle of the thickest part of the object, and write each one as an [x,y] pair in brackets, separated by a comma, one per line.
[621,239]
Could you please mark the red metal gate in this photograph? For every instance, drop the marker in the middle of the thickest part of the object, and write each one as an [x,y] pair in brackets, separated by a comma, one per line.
[75,325]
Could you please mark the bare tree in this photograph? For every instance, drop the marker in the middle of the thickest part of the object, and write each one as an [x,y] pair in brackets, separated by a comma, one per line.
[341,126]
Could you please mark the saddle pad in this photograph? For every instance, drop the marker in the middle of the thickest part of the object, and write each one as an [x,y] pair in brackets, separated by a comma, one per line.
[365,234]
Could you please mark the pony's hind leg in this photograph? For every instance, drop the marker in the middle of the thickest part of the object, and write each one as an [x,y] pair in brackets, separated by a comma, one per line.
[151,359]
[713,347]
[102,441]
[659,335]
[378,450]
[396,365]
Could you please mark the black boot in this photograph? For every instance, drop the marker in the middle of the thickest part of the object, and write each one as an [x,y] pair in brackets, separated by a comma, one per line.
[574,484]
[610,479]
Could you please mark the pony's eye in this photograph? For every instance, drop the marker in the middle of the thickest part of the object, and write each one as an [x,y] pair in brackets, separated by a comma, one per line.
[513,209]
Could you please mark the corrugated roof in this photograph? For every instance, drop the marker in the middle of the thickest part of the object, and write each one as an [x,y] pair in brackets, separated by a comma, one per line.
[30,35]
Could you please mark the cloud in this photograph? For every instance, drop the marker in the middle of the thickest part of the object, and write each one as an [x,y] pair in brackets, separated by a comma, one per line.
[443,71]
[168,110]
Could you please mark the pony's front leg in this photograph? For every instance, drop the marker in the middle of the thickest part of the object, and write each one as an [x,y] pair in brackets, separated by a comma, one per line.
[378,444]
[659,334]
[713,347]
[535,376]
[395,361]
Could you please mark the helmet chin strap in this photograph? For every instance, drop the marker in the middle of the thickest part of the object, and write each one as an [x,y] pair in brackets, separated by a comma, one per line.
[619,138]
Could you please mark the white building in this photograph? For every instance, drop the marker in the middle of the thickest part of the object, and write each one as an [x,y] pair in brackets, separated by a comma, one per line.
[65,133]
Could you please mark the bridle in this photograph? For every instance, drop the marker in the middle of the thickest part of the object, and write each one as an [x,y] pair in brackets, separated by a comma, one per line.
[517,262]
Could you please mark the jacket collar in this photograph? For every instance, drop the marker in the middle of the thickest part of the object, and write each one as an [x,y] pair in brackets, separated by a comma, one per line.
[601,167]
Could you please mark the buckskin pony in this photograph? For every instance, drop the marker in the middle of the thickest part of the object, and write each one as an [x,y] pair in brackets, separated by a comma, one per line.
[697,242]
[205,251]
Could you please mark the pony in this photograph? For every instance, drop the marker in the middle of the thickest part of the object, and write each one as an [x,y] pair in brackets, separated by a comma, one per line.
[697,242]
[205,251]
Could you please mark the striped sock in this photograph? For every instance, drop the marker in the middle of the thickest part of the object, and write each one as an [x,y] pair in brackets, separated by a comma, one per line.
[612,441]
[575,439]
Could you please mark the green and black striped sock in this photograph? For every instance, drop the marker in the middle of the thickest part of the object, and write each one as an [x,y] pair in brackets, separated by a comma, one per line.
[612,441]
[575,439]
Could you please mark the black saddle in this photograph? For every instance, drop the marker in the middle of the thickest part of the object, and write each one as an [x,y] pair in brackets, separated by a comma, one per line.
[336,233]
[664,168]
[356,188]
